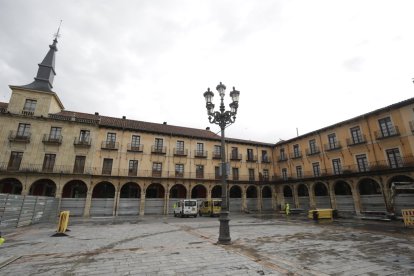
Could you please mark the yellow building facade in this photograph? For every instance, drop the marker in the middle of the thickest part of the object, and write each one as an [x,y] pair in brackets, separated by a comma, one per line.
[99,165]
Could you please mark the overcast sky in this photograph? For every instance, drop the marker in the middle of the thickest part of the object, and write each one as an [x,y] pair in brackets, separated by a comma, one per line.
[297,64]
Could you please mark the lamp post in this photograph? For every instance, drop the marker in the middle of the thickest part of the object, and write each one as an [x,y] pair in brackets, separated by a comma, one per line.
[223,118]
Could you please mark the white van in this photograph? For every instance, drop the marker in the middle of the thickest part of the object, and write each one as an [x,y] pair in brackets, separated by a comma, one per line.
[186,208]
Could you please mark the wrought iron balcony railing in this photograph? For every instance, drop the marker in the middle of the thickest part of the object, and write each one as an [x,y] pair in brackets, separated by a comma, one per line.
[200,154]
[135,147]
[27,112]
[236,156]
[82,142]
[216,155]
[110,145]
[251,158]
[19,137]
[280,159]
[296,155]
[158,149]
[333,146]
[389,132]
[180,152]
[266,159]
[356,141]
[313,151]
[52,139]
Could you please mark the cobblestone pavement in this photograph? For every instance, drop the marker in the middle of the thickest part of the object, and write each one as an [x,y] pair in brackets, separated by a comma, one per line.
[262,245]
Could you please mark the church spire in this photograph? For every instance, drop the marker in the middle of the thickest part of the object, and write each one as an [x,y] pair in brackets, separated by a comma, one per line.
[46,72]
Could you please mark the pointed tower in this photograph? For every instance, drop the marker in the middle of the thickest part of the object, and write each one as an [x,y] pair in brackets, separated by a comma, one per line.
[37,98]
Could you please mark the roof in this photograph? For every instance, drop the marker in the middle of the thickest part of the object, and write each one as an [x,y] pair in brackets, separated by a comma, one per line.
[3,105]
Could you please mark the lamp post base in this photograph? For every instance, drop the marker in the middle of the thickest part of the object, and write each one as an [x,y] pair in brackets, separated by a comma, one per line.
[224,235]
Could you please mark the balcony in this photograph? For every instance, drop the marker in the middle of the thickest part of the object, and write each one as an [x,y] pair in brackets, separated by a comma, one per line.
[313,151]
[27,113]
[235,177]
[216,155]
[158,149]
[110,145]
[266,159]
[280,159]
[135,147]
[156,173]
[180,152]
[54,140]
[133,172]
[82,142]
[251,158]
[359,140]
[390,132]
[200,175]
[200,154]
[333,146]
[235,156]
[296,155]
[20,138]
[179,174]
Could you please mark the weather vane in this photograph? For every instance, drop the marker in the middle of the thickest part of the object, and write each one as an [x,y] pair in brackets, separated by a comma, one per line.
[57,35]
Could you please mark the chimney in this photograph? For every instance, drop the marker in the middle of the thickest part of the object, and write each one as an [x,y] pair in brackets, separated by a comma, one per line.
[164,123]
[96,113]
[208,128]
[124,117]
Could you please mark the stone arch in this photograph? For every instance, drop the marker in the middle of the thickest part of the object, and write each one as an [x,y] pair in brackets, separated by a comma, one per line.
[371,196]
[266,198]
[216,191]
[303,196]
[11,186]
[235,192]
[130,190]
[251,192]
[342,188]
[287,191]
[103,189]
[403,197]
[75,189]
[320,189]
[235,200]
[266,192]
[368,186]
[344,199]
[199,191]
[155,190]
[178,191]
[322,198]
[43,187]
[399,178]
[303,190]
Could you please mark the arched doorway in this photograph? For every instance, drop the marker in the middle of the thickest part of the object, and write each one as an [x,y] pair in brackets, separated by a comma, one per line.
[251,198]
[154,201]
[103,196]
[129,199]
[401,189]
[11,186]
[371,196]
[74,197]
[322,198]
[177,192]
[216,192]
[303,197]
[235,200]
[43,187]
[267,198]
[288,196]
[199,192]
[343,196]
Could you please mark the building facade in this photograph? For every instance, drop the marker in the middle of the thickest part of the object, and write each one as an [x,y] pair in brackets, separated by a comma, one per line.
[100,165]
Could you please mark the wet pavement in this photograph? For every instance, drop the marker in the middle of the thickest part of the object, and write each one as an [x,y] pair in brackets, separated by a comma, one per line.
[261,245]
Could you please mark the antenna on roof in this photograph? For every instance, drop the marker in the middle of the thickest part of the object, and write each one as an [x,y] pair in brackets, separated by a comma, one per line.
[297,132]
[57,35]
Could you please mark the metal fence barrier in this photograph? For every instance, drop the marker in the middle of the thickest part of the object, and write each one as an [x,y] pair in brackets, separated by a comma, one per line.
[18,210]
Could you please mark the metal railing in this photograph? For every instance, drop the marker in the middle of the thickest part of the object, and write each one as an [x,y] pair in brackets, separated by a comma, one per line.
[352,142]
[236,156]
[158,149]
[296,155]
[313,151]
[27,112]
[216,155]
[251,158]
[200,154]
[52,139]
[135,147]
[391,132]
[280,159]
[333,146]
[110,145]
[180,152]
[266,159]
[15,137]
[82,142]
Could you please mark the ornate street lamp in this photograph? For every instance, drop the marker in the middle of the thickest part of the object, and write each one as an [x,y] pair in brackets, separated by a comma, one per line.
[223,118]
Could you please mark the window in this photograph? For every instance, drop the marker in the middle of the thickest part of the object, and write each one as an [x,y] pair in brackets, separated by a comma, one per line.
[217,151]
[316,169]
[158,147]
[234,153]
[284,174]
[387,129]
[110,140]
[107,166]
[235,172]
[133,168]
[199,171]
[312,147]
[282,155]
[217,172]
[250,156]
[55,133]
[179,147]
[79,166]
[135,141]
[299,172]
[266,175]
[362,162]
[49,162]
[15,160]
[251,175]
[84,136]
[179,170]
[23,131]
[336,165]
[296,151]
[156,169]
[394,158]
[29,106]
[265,158]
[356,135]
[332,141]
[200,150]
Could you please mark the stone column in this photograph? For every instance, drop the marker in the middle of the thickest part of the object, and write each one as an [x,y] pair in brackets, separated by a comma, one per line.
[244,201]
[312,200]
[259,198]
[209,192]
[274,199]
[332,197]
[386,194]
[295,195]
[166,202]
[142,203]
[88,202]
[280,199]
[117,195]
[357,199]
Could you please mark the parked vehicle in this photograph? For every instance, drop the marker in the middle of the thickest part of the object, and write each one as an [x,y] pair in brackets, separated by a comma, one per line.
[210,207]
[186,208]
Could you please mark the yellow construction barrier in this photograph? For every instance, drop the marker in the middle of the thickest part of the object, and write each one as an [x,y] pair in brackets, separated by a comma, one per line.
[321,214]
[63,223]
[408,216]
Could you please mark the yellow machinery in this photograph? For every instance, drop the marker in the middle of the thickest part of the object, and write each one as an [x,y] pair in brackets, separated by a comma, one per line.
[321,214]
[63,224]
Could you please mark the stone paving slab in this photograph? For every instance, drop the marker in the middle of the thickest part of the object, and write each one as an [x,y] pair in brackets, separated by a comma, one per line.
[261,245]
